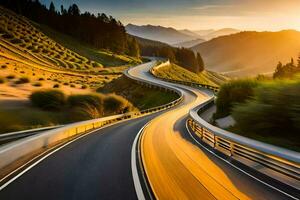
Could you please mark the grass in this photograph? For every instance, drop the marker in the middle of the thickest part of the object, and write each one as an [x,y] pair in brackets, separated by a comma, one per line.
[175,72]
[53,107]
[22,119]
[54,49]
[106,58]
[140,96]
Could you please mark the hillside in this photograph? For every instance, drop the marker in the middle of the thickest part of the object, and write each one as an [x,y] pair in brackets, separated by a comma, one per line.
[218,33]
[159,33]
[28,54]
[175,72]
[189,32]
[35,58]
[189,44]
[249,53]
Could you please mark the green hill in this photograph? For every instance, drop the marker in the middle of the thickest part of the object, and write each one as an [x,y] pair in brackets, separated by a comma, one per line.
[175,72]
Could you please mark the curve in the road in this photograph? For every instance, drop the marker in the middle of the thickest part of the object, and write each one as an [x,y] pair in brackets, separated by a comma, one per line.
[99,165]
[178,168]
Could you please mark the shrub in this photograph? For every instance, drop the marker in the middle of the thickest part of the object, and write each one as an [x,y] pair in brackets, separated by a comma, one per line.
[3,66]
[93,99]
[237,91]
[66,83]
[2,80]
[37,84]
[56,85]
[7,36]
[10,76]
[16,41]
[72,86]
[48,99]
[41,79]
[274,111]
[83,86]
[114,104]
[22,80]
[84,112]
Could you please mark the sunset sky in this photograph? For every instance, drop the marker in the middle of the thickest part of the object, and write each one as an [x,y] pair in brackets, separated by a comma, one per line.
[198,14]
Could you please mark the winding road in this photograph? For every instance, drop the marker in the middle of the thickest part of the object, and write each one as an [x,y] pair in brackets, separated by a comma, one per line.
[99,165]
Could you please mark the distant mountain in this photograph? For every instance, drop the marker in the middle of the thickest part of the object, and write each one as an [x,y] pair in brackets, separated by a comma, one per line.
[190,33]
[159,33]
[249,53]
[220,32]
[147,42]
[204,32]
[189,44]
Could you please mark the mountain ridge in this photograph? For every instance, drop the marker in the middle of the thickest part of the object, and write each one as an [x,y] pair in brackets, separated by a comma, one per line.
[249,53]
[158,33]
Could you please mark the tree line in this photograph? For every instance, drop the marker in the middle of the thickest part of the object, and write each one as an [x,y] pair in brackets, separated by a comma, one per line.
[184,57]
[100,31]
[288,70]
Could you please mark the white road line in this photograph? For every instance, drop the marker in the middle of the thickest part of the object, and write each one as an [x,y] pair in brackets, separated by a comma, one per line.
[135,175]
[232,165]
[47,155]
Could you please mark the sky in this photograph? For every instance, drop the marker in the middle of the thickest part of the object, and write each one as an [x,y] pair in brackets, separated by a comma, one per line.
[272,15]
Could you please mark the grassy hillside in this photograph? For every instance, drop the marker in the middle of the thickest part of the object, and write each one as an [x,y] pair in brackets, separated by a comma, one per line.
[18,34]
[107,58]
[176,72]
[139,96]
[31,60]
[249,53]
[26,52]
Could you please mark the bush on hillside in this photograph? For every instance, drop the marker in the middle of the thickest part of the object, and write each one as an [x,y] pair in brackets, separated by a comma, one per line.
[114,104]
[37,84]
[48,99]
[86,106]
[274,111]
[10,76]
[80,100]
[22,80]
[2,80]
[233,92]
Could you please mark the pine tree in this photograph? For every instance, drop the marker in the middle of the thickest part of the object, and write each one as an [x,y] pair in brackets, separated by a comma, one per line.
[200,62]
[52,7]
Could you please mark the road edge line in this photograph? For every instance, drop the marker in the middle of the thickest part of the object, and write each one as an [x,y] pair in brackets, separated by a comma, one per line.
[135,155]
[234,166]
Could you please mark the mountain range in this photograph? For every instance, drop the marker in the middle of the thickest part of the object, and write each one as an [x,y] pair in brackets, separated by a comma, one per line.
[178,38]
[249,53]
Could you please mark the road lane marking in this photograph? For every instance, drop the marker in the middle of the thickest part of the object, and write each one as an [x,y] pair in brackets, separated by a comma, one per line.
[234,166]
[135,175]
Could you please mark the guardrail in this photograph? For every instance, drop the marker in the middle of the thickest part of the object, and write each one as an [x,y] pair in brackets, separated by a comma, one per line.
[240,148]
[13,151]
[12,136]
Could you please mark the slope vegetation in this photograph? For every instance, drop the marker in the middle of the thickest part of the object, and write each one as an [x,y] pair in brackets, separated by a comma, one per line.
[249,53]
[175,72]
